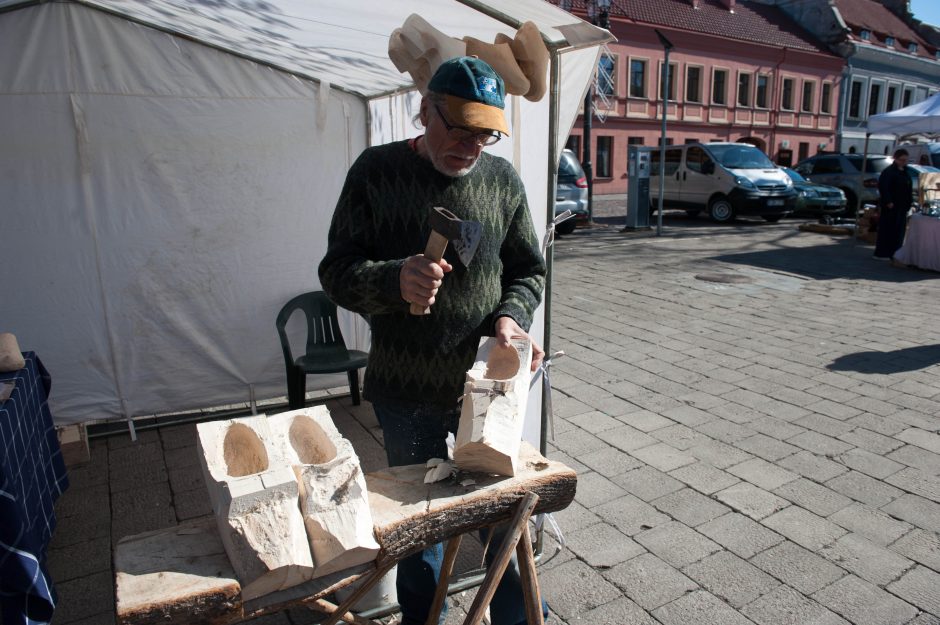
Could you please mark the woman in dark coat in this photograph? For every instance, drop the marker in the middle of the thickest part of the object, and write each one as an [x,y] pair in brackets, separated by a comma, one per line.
[895,188]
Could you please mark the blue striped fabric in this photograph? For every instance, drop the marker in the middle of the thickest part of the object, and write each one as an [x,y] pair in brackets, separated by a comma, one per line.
[32,476]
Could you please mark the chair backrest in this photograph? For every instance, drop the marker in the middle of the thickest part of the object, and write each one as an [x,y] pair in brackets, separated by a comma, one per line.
[323,333]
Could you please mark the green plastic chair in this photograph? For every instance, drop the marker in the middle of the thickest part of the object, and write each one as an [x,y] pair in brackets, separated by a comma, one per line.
[326,350]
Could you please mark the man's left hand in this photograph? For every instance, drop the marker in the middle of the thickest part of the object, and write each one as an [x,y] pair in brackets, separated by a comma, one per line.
[507,328]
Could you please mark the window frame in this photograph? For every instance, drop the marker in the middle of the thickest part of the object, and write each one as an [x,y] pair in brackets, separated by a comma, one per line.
[610,156]
[898,90]
[882,92]
[615,56]
[672,81]
[711,91]
[646,77]
[890,41]
[827,110]
[812,96]
[750,89]
[907,89]
[783,91]
[701,85]
[768,96]
[862,98]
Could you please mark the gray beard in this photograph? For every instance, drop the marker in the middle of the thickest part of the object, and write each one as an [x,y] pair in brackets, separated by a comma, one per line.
[447,171]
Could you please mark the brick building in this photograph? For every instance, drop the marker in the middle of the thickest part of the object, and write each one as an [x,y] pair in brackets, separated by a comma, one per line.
[741,71]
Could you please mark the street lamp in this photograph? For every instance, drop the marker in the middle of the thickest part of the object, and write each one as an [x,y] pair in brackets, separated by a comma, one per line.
[664,81]
[599,12]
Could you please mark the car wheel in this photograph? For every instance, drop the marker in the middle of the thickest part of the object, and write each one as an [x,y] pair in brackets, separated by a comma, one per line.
[772,218]
[721,210]
[850,203]
[566,227]
[692,212]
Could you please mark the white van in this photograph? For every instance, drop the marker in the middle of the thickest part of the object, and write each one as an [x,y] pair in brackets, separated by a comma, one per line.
[922,153]
[726,179]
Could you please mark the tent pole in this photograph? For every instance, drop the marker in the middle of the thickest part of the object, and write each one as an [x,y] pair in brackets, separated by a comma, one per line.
[858,200]
[552,165]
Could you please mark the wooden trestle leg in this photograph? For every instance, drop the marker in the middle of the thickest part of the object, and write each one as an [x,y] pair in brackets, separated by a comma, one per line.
[443,583]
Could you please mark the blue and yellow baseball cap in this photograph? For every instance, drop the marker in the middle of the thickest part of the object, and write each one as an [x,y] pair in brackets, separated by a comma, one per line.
[473,92]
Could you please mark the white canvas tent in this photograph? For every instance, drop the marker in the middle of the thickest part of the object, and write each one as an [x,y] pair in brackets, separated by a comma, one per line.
[921,118]
[168,170]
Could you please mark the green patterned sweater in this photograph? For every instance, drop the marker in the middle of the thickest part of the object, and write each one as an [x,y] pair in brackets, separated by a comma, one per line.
[381,219]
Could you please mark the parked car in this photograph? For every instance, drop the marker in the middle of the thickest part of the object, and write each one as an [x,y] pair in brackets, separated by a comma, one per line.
[726,179]
[816,199]
[844,171]
[571,192]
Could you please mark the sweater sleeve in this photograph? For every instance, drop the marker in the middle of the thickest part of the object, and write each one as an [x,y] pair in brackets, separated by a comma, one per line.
[523,278]
[349,273]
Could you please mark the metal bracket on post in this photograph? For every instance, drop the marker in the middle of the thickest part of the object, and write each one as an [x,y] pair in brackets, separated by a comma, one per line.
[251,399]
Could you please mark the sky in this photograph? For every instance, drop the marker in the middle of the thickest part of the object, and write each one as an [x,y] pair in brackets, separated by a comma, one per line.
[927,11]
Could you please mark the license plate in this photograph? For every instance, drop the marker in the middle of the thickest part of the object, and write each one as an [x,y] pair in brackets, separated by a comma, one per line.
[833,202]
[774,202]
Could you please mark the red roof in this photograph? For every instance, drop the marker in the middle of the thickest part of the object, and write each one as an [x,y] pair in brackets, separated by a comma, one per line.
[748,21]
[873,16]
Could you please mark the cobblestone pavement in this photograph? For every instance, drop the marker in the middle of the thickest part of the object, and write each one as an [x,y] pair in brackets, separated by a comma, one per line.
[758,446]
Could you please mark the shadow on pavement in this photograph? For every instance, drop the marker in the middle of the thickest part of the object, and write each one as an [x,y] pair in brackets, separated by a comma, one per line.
[837,259]
[898,361]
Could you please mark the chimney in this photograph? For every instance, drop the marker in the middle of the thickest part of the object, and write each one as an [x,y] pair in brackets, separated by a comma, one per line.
[728,4]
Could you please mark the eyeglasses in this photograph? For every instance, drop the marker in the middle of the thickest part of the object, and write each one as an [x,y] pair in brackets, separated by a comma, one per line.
[465,135]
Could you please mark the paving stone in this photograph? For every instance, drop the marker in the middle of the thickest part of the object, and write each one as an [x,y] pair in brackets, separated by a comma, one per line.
[621,611]
[80,559]
[868,463]
[85,596]
[797,567]
[123,440]
[918,511]
[610,461]
[871,523]
[924,547]
[645,421]
[132,476]
[578,442]
[804,527]
[594,422]
[815,498]
[748,499]
[917,482]
[626,438]
[729,577]
[925,619]
[862,488]
[630,515]
[872,441]
[78,502]
[649,581]
[919,587]
[602,546]
[175,436]
[690,507]
[687,415]
[864,604]
[613,406]
[835,409]
[186,479]
[775,428]
[725,431]
[785,606]
[663,457]
[575,588]
[102,618]
[136,511]
[815,467]
[648,483]
[680,436]
[921,438]
[866,559]
[575,517]
[703,477]
[718,454]
[766,447]
[191,504]
[80,528]
[820,443]
[824,425]
[595,489]
[699,607]
[676,543]
[877,423]
[555,454]
[762,473]
[914,456]
[740,535]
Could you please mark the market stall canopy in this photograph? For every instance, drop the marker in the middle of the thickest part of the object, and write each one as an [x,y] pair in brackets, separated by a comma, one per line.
[921,118]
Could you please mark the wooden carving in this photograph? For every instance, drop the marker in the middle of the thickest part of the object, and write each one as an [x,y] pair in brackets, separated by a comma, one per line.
[494,405]
[333,498]
[254,495]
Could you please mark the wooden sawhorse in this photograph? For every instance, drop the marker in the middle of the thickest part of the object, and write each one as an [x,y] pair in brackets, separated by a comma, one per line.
[181,575]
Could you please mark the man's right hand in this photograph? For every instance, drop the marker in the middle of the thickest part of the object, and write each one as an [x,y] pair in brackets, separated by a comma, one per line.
[420,278]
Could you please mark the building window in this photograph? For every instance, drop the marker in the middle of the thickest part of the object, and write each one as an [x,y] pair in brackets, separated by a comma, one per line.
[874,98]
[605,149]
[744,89]
[574,144]
[912,48]
[637,78]
[865,35]
[907,98]
[855,100]
[786,102]
[693,84]
[673,70]
[808,93]
[606,73]
[761,96]
[688,141]
[720,86]
[889,41]
[803,153]
[669,141]
[891,102]
[636,141]
[825,104]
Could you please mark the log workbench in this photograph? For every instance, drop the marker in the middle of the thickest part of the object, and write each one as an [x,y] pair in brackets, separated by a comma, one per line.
[182,575]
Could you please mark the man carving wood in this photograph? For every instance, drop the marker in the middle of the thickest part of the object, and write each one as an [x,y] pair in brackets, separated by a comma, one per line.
[418,363]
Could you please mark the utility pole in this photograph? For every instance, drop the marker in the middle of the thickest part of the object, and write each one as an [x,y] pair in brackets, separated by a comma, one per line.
[664,81]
